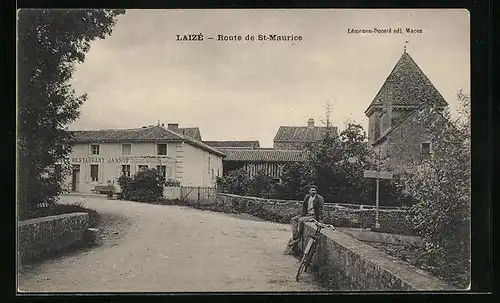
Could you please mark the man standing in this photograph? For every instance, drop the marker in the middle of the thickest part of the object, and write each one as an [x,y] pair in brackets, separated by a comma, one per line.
[311,209]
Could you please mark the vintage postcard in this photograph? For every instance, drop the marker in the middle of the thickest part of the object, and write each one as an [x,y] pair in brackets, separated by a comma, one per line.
[243,150]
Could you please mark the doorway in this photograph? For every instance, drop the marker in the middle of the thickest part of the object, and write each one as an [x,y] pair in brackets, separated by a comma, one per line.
[75,180]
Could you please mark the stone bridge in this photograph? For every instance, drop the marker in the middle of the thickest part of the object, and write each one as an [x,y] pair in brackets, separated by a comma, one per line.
[156,248]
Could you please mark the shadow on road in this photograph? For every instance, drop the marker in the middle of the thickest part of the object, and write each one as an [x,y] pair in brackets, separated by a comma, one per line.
[112,228]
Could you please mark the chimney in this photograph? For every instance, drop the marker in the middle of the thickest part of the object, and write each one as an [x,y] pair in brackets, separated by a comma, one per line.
[310,122]
[173,126]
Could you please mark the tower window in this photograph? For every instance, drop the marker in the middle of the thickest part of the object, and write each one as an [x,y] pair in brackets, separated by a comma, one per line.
[425,148]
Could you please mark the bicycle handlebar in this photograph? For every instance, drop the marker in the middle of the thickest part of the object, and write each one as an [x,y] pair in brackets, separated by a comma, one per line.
[323,225]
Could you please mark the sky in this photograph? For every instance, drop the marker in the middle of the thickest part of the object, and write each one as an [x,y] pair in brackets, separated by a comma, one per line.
[245,90]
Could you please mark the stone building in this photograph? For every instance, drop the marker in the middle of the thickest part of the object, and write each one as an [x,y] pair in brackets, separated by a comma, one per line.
[267,160]
[249,156]
[234,144]
[299,137]
[99,156]
[404,116]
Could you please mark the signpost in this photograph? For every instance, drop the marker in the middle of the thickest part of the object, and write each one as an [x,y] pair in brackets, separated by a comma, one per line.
[377,174]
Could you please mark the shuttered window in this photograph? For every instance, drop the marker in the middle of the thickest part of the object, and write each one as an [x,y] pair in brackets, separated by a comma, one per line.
[126,149]
[126,170]
[162,169]
[161,149]
[94,172]
[94,149]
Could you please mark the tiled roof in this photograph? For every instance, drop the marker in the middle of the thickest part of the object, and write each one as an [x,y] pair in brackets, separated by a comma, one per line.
[193,132]
[145,134]
[265,155]
[302,133]
[407,85]
[238,144]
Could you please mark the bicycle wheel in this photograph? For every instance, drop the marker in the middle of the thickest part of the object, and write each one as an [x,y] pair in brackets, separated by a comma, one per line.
[306,257]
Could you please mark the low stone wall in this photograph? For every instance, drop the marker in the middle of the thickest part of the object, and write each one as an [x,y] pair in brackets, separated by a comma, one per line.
[347,264]
[40,236]
[391,221]
[171,193]
[366,235]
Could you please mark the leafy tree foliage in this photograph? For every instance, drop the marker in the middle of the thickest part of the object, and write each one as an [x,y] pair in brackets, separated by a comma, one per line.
[261,185]
[50,42]
[295,180]
[338,164]
[441,188]
[145,186]
[235,182]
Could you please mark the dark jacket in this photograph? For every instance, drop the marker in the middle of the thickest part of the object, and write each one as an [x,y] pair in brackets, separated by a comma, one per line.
[317,204]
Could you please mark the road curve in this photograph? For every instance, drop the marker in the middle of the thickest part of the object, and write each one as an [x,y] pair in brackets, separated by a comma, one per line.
[154,248]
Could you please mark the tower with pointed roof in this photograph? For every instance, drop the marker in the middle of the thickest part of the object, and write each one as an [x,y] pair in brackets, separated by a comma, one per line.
[405,89]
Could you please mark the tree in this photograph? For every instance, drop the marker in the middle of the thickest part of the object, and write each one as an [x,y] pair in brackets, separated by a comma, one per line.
[50,42]
[338,164]
[235,182]
[441,187]
[295,179]
[260,185]
[328,113]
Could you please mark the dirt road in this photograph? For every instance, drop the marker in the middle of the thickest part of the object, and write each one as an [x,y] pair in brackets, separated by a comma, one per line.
[154,248]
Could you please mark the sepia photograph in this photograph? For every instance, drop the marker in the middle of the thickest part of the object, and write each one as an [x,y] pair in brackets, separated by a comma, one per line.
[243,150]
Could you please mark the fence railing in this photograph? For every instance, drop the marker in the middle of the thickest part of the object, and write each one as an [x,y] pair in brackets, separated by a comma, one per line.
[206,195]
[198,195]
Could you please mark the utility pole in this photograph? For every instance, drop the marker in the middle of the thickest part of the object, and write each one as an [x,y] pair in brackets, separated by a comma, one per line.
[377,225]
[377,175]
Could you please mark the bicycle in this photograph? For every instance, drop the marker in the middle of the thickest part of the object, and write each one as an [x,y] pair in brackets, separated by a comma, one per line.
[312,243]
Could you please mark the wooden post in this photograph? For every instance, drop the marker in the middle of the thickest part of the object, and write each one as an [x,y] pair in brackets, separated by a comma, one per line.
[198,201]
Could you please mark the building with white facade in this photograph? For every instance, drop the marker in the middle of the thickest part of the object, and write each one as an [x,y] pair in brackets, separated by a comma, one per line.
[99,156]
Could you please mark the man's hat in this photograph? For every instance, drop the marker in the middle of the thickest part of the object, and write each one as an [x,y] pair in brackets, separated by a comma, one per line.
[313,186]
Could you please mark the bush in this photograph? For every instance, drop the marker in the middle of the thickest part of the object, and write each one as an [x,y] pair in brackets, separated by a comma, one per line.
[441,187]
[260,185]
[236,182]
[172,183]
[145,186]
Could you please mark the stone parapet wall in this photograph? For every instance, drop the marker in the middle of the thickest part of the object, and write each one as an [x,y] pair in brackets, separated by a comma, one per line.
[40,236]
[348,264]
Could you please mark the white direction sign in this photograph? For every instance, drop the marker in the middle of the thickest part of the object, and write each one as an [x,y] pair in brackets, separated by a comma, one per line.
[380,175]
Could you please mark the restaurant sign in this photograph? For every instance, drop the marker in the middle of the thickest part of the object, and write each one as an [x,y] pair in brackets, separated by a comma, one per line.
[118,159]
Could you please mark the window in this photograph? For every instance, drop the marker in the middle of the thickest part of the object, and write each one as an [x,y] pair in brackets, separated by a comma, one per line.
[162,169]
[126,170]
[94,149]
[161,149]
[218,173]
[169,173]
[208,164]
[213,174]
[425,148]
[94,172]
[126,149]
[141,167]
